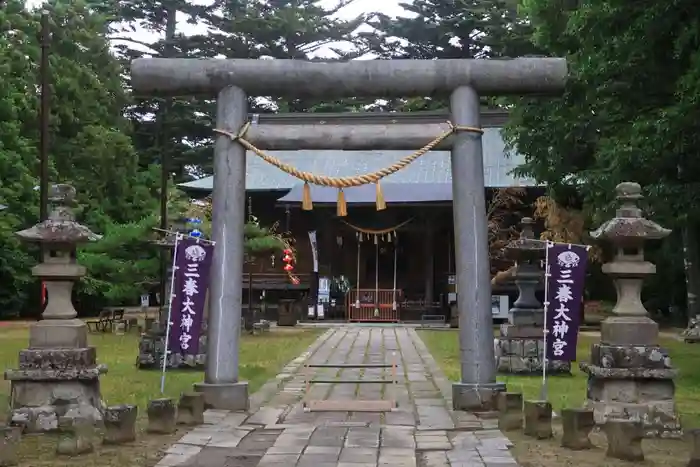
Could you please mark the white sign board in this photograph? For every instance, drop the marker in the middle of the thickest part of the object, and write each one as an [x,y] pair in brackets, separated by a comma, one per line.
[324,286]
[145,301]
[314,248]
[499,306]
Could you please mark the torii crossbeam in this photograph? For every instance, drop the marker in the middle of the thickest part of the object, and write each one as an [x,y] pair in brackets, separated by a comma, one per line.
[233,81]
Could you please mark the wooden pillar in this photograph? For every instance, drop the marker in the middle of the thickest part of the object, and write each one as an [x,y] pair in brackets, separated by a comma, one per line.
[429,251]
[326,246]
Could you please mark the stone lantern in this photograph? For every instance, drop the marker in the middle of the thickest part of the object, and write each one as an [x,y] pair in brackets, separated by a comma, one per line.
[152,341]
[521,345]
[58,375]
[630,376]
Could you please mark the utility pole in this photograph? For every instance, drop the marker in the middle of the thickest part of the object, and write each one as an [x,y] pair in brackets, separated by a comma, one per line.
[170,28]
[44,117]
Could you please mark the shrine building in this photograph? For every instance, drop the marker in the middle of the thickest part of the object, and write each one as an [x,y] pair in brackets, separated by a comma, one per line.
[394,264]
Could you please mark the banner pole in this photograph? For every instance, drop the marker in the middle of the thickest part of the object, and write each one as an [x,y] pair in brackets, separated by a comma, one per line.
[543,390]
[166,350]
[549,242]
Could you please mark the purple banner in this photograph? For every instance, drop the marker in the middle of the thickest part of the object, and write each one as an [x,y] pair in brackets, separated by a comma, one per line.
[190,281]
[566,273]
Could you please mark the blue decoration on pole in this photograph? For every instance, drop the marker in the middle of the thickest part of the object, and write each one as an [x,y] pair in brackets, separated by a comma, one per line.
[195,232]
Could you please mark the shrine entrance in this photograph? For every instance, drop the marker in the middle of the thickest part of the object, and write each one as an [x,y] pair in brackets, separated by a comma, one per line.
[234,81]
[376,296]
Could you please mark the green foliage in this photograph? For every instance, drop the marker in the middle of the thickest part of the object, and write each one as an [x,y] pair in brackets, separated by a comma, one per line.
[90,148]
[628,112]
[17,154]
[261,241]
[121,265]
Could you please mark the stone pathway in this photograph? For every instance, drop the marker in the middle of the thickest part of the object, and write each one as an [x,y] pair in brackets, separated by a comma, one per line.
[422,432]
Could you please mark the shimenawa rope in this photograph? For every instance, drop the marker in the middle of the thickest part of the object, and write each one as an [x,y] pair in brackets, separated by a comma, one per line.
[342,182]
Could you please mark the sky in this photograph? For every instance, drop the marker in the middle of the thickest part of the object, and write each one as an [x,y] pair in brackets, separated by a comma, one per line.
[357,7]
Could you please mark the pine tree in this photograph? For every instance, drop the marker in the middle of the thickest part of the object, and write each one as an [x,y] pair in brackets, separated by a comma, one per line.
[18,155]
[239,29]
[286,29]
[90,147]
[171,131]
[449,29]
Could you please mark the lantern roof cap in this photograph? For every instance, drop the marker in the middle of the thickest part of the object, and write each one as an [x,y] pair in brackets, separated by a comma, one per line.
[526,243]
[629,225]
[61,226]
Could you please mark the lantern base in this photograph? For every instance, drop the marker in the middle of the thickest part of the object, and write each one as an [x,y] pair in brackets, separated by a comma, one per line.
[519,351]
[58,334]
[629,330]
[54,383]
[526,317]
[152,347]
[632,381]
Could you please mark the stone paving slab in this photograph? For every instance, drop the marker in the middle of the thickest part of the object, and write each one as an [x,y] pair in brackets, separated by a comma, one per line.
[423,431]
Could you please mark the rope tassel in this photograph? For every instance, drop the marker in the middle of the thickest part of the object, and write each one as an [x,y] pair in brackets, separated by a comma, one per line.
[381,203]
[342,205]
[306,203]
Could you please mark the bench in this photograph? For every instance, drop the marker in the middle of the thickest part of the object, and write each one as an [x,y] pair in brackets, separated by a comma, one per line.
[100,324]
[106,321]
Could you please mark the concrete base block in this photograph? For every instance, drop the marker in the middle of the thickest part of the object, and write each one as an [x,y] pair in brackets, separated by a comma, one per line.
[226,396]
[476,397]
[161,416]
[624,440]
[577,424]
[10,437]
[190,410]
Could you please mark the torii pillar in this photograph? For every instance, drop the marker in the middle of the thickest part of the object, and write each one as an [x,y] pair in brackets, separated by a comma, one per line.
[233,81]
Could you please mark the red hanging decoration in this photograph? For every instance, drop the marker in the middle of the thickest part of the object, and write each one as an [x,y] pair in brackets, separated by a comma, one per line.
[287,259]
[287,251]
[288,267]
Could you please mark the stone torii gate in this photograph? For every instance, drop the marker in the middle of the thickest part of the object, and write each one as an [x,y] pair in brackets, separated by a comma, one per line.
[233,81]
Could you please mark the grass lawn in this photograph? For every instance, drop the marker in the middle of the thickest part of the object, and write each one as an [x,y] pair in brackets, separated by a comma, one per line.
[261,358]
[570,391]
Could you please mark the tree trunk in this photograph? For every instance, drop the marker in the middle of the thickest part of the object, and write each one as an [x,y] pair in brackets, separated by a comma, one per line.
[691,260]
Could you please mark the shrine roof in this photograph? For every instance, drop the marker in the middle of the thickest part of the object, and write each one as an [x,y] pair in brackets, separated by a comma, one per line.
[432,168]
